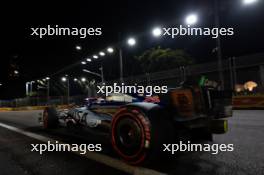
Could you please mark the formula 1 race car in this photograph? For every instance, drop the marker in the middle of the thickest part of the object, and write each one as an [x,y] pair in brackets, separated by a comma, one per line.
[138,127]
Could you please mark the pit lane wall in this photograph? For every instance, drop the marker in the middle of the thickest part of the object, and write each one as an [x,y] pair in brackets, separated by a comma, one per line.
[248,102]
[23,108]
[30,108]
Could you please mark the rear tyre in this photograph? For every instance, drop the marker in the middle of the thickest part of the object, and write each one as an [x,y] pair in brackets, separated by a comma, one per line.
[137,135]
[50,118]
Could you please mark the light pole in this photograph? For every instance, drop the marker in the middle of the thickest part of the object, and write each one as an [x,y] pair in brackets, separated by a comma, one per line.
[29,88]
[78,47]
[131,42]
[95,56]
[88,59]
[249,2]
[66,79]
[102,73]
[96,74]
[110,50]
[102,54]
[157,32]
[218,46]
[83,80]
[191,19]
[121,64]
[218,40]
[48,89]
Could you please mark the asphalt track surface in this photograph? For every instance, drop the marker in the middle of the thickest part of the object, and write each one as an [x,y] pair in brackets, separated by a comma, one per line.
[246,132]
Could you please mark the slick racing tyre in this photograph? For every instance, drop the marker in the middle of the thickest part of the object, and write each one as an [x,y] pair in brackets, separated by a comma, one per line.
[50,118]
[137,135]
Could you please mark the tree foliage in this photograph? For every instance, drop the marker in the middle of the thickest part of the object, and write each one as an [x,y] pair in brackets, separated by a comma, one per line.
[158,59]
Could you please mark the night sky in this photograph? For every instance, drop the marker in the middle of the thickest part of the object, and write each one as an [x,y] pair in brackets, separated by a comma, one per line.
[41,57]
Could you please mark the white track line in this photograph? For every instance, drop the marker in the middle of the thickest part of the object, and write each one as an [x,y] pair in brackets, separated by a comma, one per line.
[106,160]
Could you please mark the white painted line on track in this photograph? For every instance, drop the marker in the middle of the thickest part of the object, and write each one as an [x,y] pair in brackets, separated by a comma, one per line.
[103,159]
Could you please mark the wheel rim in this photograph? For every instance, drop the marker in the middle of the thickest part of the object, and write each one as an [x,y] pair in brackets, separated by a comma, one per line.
[131,145]
[129,136]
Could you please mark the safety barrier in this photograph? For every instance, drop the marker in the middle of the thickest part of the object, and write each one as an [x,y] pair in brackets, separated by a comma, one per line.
[29,108]
[248,102]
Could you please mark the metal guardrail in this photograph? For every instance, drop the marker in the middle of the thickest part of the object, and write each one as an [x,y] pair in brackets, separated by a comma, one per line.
[241,62]
[205,68]
[41,101]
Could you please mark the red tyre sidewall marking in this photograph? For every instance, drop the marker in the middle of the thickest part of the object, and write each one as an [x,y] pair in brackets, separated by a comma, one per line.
[145,135]
[142,136]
